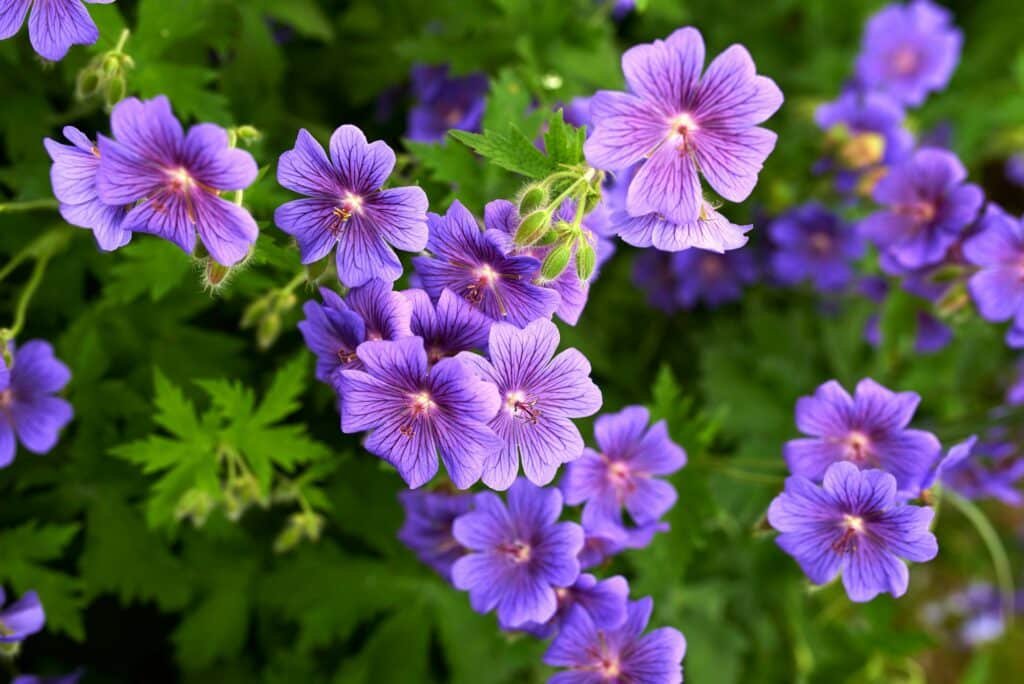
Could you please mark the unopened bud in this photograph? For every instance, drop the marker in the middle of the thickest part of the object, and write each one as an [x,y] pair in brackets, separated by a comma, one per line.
[304,525]
[586,260]
[556,261]
[194,505]
[117,88]
[214,274]
[88,83]
[533,199]
[268,330]
[533,228]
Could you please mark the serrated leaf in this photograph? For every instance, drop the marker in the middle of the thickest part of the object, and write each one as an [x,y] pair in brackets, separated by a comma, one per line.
[510,150]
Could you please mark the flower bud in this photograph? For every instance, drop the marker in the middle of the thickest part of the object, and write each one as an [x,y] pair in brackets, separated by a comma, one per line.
[532,228]
[556,261]
[117,88]
[586,260]
[195,505]
[534,198]
[268,330]
[88,83]
[214,274]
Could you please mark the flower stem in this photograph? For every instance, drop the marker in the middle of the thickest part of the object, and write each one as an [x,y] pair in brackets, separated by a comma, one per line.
[121,41]
[1000,560]
[8,334]
[28,205]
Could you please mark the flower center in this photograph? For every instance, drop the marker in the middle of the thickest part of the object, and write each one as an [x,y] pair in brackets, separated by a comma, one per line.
[862,150]
[921,213]
[852,525]
[346,355]
[350,204]
[609,667]
[522,407]
[683,127]
[181,180]
[6,398]
[905,61]
[821,242]
[517,551]
[858,448]
[452,117]
[420,404]
[485,278]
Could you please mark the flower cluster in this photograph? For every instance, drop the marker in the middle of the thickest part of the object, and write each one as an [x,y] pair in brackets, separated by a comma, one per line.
[857,521]
[518,558]
[154,177]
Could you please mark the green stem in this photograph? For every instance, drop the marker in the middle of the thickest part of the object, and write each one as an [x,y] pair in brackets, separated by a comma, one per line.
[28,205]
[122,40]
[1000,560]
[294,283]
[743,475]
[7,334]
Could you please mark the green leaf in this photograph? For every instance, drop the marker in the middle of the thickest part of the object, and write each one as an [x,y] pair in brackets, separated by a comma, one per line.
[174,412]
[282,397]
[25,556]
[510,150]
[563,142]
[146,267]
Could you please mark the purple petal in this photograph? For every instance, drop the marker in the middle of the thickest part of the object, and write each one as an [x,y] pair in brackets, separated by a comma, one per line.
[209,159]
[39,420]
[870,571]
[123,176]
[362,167]
[55,25]
[400,216]
[7,446]
[666,184]
[666,72]
[227,230]
[313,224]
[363,254]
[12,16]
[306,169]
[148,128]
[37,370]
[626,130]
[731,160]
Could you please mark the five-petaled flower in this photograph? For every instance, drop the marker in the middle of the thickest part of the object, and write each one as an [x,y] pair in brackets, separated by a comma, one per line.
[868,430]
[28,408]
[596,654]
[855,524]
[346,206]
[679,121]
[176,179]
[519,554]
[415,411]
[540,395]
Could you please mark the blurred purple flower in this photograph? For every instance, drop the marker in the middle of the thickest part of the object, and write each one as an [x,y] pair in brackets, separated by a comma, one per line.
[814,243]
[909,51]
[998,249]
[984,470]
[427,529]
[444,103]
[928,208]
[22,618]
[712,278]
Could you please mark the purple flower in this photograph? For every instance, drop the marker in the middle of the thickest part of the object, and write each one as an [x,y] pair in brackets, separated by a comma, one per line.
[428,527]
[984,470]
[678,121]
[577,112]
[605,600]
[932,334]
[176,178]
[346,206]
[478,268]
[448,327]
[54,25]
[854,525]
[333,330]
[416,411]
[621,474]
[868,430]
[1015,392]
[594,654]
[977,612]
[928,208]
[21,619]
[812,242]
[866,135]
[443,103]
[519,554]
[28,408]
[998,249]
[540,395]
[709,231]
[909,51]
[73,176]
[712,278]
[501,219]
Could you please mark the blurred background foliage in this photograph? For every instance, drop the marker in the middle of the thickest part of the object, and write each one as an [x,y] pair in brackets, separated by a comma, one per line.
[135,592]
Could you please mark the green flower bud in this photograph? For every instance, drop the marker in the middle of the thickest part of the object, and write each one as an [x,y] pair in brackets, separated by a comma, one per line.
[532,228]
[534,198]
[248,134]
[196,506]
[590,201]
[214,274]
[268,330]
[88,83]
[586,260]
[117,88]
[556,261]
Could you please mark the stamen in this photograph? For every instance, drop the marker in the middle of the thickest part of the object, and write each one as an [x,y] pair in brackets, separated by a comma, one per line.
[518,551]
